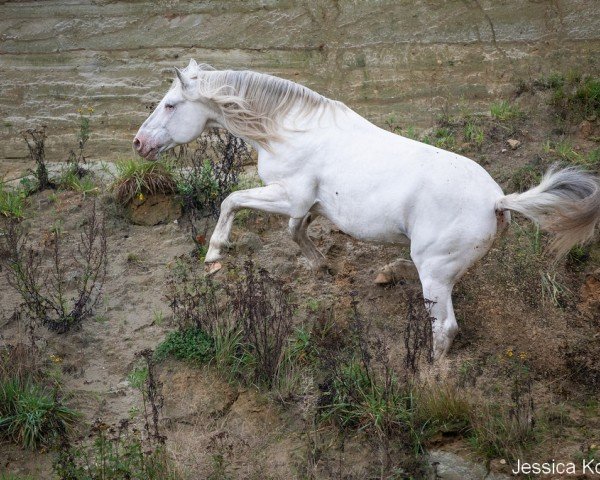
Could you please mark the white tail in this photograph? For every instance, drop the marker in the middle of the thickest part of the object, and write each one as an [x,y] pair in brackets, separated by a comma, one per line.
[566,202]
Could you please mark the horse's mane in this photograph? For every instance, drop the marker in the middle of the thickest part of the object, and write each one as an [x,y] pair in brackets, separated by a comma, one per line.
[254,104]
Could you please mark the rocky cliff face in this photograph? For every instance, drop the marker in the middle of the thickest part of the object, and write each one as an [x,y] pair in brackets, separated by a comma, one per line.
[408,58]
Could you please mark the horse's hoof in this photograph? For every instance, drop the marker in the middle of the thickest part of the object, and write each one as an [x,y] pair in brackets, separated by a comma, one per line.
[212,267]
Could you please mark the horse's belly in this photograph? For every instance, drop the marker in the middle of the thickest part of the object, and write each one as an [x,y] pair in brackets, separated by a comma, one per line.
[363,224]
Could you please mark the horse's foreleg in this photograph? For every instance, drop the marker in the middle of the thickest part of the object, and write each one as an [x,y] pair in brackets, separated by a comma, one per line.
[272,199]
[298,229]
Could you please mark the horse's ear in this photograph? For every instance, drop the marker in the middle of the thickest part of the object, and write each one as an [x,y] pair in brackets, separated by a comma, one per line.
[192,64]
[182,79]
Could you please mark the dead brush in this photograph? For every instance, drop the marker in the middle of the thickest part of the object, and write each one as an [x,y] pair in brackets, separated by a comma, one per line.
[35,138]
[44,288]
[137,177]
[262,307]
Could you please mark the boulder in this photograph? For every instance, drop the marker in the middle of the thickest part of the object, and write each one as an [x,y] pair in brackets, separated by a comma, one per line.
[153,209]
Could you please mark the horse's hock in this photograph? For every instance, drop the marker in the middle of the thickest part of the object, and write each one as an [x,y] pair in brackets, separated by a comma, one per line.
[409,59]
[153,209]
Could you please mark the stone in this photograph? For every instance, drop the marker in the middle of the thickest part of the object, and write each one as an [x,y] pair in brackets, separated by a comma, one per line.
[514,144]
[249,242]
[590,295]
[585,129]
[449,466]
[153,210]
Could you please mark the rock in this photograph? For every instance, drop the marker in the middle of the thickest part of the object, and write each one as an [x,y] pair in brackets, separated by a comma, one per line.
[514,144]
[154,209]
[249,242]
[586,129]
[590,295]
[449,466]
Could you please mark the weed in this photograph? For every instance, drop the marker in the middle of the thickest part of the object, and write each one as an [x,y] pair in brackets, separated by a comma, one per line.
[12,203]
[192,344]
[441,407]
[36,139]
[83,135]
[553,290]
[443,137]
[474,133]
[525,177]
[504,111]
[117,452]
[31,415]
[215,168]
[138,177]
[565,151]
[500,432]
[576,96]
[263,309]
[77,179]
[45,296]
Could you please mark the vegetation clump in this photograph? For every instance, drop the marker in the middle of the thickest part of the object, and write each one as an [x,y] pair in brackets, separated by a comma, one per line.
[138,178]
[44,288]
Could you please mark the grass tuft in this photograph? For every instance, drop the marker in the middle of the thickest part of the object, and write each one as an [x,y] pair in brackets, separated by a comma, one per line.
[142,177]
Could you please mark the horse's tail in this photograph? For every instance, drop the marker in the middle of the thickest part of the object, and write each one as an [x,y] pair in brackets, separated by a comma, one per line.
[566,202]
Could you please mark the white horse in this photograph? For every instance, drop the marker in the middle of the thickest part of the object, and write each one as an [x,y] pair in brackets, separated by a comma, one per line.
[317,156]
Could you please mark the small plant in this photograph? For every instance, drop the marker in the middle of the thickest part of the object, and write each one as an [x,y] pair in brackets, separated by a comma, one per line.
[83,135]
[474,134]
[31,415]
[192,344]
[264,310]
[36,139]
[12,203]
[45,295]
[525,177]
[504,111]
[77,179]
[137,178]
[508,431]
[553,290]
[117,452]
[576,96]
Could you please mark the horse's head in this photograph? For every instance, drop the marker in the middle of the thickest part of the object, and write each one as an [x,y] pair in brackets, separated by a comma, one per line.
[179,118]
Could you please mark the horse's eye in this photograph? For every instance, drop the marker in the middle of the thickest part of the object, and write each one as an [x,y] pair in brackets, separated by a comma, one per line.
[169,106]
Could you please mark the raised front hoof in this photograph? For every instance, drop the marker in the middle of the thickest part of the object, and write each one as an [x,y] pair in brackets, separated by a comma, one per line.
[212,267]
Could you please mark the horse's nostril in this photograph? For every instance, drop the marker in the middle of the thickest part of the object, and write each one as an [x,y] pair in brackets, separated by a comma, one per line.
[137,144]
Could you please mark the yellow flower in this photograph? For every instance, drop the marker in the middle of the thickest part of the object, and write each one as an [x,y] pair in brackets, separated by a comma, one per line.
[509,352]
[141,197]
[90,109]
[79,111]
[522,355]
[55,358]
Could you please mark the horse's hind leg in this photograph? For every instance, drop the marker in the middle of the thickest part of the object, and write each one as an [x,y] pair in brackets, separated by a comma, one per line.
[439,270]
[298,229]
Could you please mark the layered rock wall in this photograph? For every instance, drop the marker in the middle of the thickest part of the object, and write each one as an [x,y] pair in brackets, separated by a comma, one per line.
[411,59]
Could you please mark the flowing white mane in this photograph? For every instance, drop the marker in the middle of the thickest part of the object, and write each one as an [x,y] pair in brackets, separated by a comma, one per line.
[254,104]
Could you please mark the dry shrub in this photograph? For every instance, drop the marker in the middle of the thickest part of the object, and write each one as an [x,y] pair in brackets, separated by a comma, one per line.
[45,292]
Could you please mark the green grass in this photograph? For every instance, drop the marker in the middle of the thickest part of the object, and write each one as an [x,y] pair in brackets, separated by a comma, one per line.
[504,111]
[72,179]
[12,202]
[575,96]
[565,151]
[137,177]
[192,344]
[443,137]
[474,134]
[32,415]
